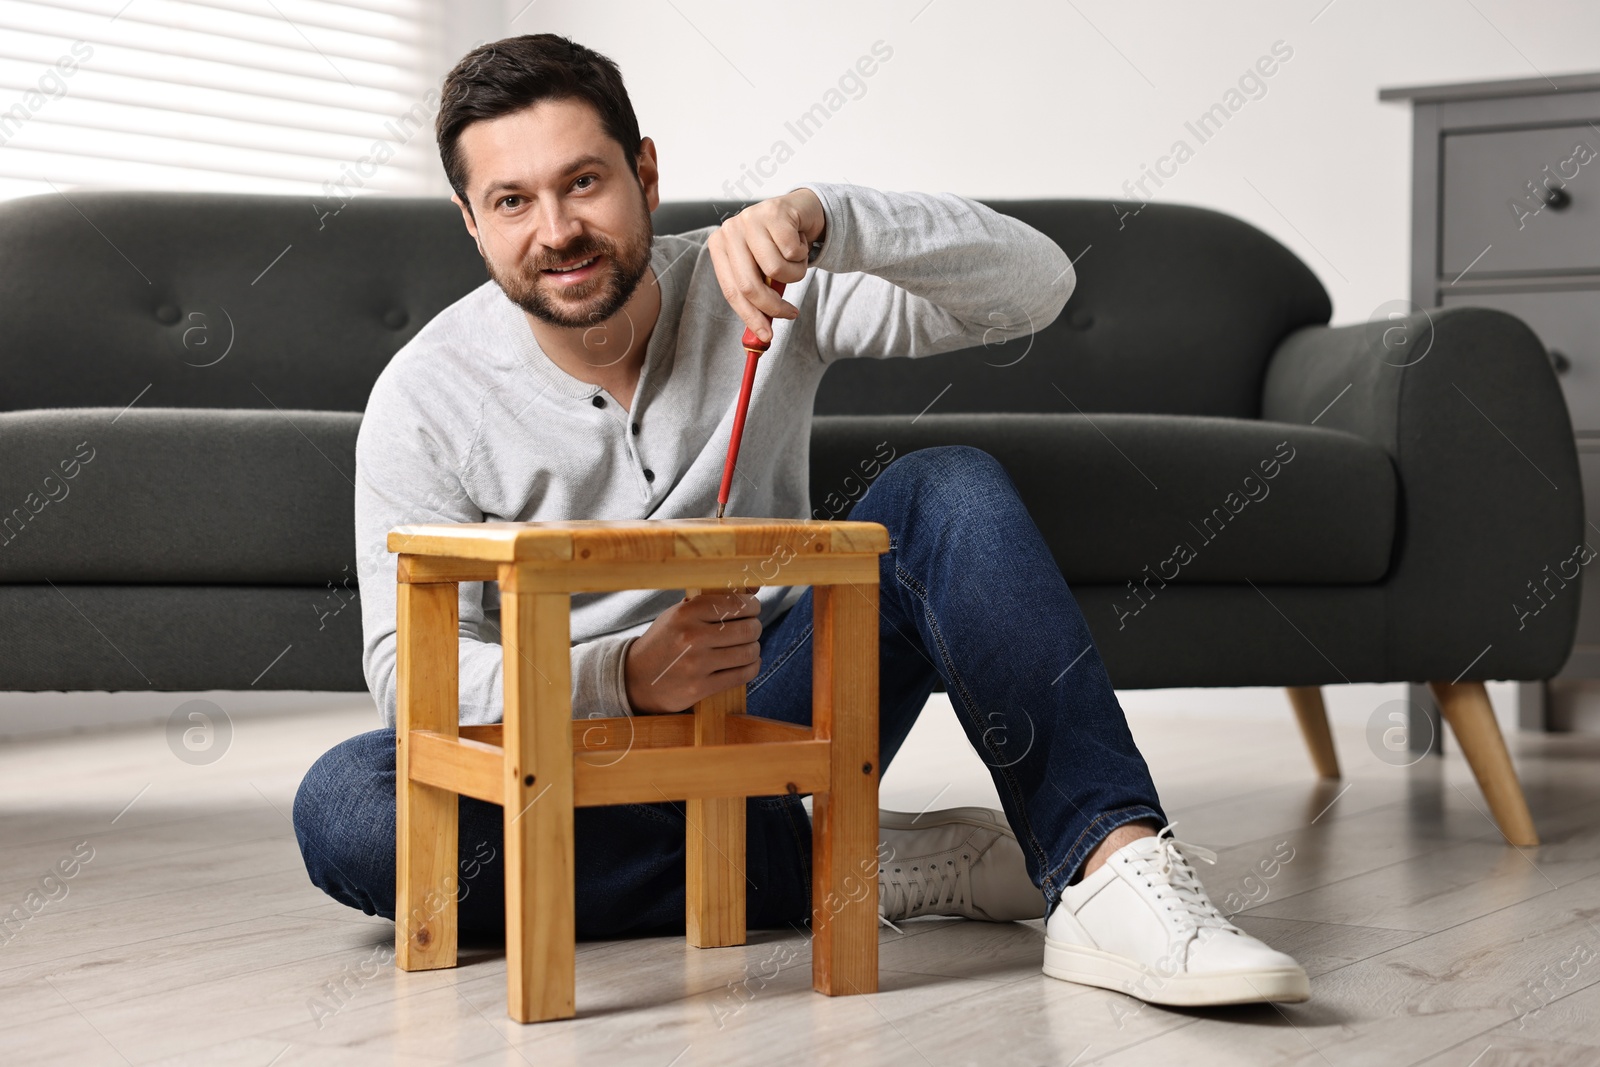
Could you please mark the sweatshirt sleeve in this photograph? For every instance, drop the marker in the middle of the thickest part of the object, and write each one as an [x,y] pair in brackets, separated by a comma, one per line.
[916,274]
[407,471]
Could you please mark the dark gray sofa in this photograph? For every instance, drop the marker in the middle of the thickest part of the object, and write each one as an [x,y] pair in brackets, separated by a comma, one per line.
[214,352]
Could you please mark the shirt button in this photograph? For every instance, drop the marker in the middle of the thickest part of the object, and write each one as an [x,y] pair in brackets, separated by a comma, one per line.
[636,429]
[649,475]
[599,401]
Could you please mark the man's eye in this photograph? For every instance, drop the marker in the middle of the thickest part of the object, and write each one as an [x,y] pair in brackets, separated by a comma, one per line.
[585,178]
[505,199]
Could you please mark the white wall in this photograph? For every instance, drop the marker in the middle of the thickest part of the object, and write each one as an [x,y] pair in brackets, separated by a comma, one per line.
[1050,98]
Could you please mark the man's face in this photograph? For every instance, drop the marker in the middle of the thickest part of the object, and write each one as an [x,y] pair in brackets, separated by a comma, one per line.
[550,189]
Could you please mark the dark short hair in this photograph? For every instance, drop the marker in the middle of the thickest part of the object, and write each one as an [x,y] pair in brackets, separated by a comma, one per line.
[515,73]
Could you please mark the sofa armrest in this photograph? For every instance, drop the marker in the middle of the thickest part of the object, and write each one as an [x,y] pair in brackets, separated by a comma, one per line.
[1486,572]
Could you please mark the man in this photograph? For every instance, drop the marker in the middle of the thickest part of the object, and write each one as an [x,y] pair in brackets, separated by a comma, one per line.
[593,377]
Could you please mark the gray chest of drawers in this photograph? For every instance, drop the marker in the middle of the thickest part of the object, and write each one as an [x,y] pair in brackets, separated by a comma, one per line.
[1506,214]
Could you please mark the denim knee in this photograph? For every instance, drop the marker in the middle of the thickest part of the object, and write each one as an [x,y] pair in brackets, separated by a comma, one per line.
[944,465]
[344,815]
[945,479]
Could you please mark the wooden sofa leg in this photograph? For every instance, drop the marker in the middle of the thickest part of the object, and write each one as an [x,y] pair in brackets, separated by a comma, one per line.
[1465,706]
[1313,716]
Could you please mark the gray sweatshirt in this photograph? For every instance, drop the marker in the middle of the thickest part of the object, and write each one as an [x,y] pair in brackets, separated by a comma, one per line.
[470,422]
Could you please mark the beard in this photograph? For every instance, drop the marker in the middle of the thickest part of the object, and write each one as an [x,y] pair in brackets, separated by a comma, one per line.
[589,302]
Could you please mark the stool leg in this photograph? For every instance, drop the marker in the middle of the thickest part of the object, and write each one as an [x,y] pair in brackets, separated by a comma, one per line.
[426,830]
[541,931]
[714,845]
[844,833]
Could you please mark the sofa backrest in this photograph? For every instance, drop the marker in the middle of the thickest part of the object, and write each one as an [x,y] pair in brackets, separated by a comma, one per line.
[218,299]
[249,301]
[1177,310]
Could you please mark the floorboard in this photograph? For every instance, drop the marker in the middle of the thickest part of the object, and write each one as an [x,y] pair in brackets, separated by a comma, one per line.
[191,936]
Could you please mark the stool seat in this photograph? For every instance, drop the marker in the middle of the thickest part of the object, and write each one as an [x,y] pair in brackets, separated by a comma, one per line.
[540,763]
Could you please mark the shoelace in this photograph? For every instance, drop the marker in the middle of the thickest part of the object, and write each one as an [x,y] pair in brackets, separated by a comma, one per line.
[1183,886]
[924,889]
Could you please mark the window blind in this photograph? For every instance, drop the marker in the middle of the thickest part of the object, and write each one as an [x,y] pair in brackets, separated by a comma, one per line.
[268,96]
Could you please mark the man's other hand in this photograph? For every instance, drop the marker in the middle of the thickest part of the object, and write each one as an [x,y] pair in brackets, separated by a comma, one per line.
[699,646]
[769,239]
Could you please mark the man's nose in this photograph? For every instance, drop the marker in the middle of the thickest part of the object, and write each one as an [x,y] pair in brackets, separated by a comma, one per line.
[558,230]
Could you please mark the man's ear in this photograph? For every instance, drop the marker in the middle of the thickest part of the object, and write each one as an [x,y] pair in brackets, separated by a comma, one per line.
[649,173]
[466,217]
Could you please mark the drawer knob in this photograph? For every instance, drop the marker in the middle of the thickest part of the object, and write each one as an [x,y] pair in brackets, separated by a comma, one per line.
[1556,197]
[1559,361]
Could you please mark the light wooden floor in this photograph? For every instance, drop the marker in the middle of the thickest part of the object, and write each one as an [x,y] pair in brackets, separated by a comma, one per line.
[192,935]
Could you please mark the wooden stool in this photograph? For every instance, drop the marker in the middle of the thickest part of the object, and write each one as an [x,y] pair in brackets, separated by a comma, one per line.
[540,763]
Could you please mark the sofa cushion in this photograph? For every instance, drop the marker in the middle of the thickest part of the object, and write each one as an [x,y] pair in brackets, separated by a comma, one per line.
[177,495]
[265,497]
[1153,498]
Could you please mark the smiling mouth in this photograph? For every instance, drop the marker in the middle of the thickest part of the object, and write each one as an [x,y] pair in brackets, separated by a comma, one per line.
[574,268]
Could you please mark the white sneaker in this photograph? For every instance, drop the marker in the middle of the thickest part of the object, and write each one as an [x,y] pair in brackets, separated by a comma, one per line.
[960,861]
[1142,924]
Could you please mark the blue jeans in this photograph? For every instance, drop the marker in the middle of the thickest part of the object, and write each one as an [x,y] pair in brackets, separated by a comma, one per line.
[970,596]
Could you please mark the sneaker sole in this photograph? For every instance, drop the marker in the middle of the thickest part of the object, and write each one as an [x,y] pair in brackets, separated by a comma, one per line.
[1088,966]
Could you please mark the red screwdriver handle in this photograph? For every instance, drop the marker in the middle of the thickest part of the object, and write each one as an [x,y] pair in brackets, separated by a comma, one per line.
[753,347]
